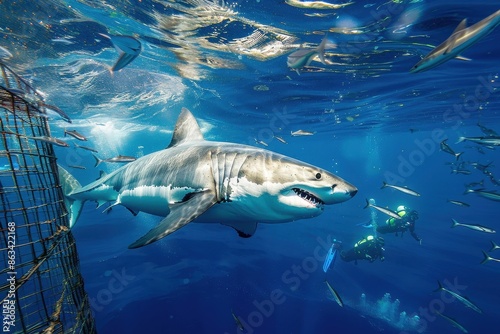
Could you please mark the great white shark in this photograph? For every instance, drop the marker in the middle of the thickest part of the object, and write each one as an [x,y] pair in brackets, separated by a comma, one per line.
[461,39]
[216,182]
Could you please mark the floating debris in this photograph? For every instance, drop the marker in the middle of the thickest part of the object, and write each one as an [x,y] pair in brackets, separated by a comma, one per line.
[261,88]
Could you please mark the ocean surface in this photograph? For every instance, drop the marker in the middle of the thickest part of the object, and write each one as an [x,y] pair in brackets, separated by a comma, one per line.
[373,122]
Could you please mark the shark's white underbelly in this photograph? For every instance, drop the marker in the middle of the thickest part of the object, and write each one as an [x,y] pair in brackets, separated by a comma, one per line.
[255,209]
[247,202]
[153,199]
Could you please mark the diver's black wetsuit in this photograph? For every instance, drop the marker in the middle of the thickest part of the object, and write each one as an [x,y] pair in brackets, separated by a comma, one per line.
[407,222]
[369,250]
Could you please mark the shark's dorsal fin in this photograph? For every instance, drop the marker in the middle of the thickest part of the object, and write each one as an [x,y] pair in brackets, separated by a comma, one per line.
[461,26]
[455,35]
[186,129]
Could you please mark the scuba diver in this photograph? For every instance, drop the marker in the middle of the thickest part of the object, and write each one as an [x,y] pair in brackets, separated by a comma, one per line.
[407,222]
[369,248]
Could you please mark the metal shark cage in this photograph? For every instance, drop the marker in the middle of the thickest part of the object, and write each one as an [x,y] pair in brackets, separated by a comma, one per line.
[41,288]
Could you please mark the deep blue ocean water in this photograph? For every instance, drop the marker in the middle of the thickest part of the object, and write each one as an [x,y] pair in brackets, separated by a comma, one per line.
[373,122]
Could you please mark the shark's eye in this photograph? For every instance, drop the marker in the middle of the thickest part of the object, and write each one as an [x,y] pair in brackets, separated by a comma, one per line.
[318,176]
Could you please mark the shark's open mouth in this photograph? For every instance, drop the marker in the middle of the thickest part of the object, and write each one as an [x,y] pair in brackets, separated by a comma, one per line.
[308,197]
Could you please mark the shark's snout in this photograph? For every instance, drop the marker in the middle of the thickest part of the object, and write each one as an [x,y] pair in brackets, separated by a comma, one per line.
[343,191]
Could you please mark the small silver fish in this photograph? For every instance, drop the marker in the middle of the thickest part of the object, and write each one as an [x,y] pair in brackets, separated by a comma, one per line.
[494,196]
[316,4]
[86,148]
[486,141]
[303,57]
[238,321]
[452,321]
[404,189]
[458,203]
[462,38]
[446,148]
[475,227]
[494,246]
[64,41]
[263,143]
[474,184]
[128,47]
[488,258]
[77,167]
[460,298]
[50,140]
[50,109]
[488,132]
[119,158]
[461,171]
[383,210]
[335,294]
[280,139]
[75,134]
[302,133]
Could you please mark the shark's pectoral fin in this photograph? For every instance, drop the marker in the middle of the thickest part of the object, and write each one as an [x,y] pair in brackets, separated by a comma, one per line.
[101,203]
[462,58]
[135,213]
[180,214]
[109,208]
[244,229]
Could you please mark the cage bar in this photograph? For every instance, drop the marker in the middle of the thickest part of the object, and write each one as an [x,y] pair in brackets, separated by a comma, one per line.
[41,287]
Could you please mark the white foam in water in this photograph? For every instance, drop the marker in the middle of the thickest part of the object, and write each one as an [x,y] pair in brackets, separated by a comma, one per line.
[387,310]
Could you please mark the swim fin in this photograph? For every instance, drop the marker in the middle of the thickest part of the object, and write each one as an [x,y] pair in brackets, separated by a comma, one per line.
[330,257]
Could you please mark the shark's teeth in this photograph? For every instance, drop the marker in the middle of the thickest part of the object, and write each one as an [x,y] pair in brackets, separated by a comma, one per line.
[308,196]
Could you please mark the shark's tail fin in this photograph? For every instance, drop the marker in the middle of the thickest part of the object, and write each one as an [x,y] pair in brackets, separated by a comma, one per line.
[486,258]
[460,139]
[69,184]
[454,223]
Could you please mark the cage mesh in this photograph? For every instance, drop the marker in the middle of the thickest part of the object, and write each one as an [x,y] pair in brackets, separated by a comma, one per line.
[41,287]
